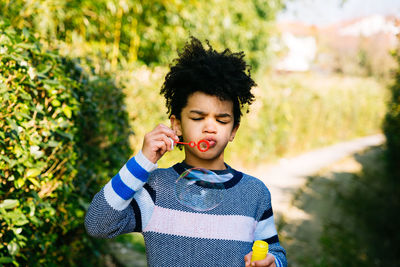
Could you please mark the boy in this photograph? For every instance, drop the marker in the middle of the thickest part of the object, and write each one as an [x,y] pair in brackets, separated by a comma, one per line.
[205,91]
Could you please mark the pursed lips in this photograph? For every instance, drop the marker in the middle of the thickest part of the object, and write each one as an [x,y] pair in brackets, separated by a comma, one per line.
[212,141]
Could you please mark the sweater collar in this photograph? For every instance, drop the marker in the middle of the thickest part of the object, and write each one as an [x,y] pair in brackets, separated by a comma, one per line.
[237,176]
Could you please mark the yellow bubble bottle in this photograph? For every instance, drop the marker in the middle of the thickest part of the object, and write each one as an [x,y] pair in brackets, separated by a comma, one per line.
[260,250]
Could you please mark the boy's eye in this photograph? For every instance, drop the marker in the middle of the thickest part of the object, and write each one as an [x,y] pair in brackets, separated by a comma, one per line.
[218,120]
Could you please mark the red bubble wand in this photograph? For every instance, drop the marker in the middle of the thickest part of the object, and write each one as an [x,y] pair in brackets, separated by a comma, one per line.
[202,145]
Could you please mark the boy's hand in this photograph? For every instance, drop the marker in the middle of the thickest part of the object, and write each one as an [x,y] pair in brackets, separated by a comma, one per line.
[268,261]
[156,142]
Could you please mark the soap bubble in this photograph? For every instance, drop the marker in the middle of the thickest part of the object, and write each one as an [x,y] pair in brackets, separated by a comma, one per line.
[199,189]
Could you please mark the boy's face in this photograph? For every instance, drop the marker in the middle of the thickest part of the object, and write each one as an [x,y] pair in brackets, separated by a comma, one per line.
[206,117]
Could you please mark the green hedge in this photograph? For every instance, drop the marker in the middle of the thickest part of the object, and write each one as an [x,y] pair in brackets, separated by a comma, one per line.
[391,125]
[62,134]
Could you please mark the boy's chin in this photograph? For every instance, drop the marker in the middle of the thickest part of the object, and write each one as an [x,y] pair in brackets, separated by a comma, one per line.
[209,155]
[213,153]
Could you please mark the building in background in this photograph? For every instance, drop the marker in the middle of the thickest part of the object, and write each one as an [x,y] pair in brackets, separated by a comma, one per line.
[356,47]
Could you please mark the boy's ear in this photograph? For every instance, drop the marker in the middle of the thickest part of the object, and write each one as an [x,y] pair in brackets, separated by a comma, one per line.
[233,133]
[176,125]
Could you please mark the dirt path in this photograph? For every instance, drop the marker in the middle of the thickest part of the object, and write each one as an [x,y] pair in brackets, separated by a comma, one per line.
[284,178]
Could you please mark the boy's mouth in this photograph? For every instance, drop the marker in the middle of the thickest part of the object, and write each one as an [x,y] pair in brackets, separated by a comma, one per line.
[212,142]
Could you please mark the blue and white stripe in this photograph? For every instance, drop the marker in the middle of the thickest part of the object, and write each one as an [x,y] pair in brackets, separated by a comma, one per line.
[278,263]
[265,229]
[120,190]
[146,205]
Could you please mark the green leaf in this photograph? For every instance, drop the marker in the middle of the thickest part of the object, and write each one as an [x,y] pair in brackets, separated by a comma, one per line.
[52,143]
[16,57]
[55,103]
[25,96]
[43,69]
[17,231]
[51,82]
[12,123]
[32,209]
[67,111]
[20,115]
[3,89]
[19,183]
[64,134]
[36,152]
[38,108]
[83,203]
[34,181]
[17,217]
[33,172]
[5,159]
[13,248]
[79,213]
[9,203]
[6,260]
[26,33]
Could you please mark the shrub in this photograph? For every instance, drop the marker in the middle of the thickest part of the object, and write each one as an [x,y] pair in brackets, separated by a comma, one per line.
[391,125]
[62,134]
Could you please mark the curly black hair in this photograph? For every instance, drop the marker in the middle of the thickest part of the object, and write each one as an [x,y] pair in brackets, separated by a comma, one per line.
[222,74]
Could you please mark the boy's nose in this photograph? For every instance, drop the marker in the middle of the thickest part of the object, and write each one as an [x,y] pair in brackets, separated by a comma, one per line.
[209,126]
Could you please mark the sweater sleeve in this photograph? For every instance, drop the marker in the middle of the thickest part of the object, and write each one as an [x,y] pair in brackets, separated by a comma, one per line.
[115,210]
[266,231]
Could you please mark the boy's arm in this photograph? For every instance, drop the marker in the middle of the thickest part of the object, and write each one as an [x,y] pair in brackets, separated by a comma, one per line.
[114,210]
[110,213]
[266,231]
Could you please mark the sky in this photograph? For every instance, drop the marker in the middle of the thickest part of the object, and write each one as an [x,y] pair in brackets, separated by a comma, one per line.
[323,12]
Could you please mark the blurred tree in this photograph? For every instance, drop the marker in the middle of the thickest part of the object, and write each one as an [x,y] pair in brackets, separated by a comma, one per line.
[111,33]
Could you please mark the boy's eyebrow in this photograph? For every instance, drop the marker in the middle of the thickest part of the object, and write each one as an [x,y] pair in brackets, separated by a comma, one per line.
[224,115]
[199,112]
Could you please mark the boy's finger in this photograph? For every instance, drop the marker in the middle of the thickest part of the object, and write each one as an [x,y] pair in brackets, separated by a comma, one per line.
[268,261]
[160,147]
[171,133]
[169,143]
[166,139]
[247,258]
[167,131]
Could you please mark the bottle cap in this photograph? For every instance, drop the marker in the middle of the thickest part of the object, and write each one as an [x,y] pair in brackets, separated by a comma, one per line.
[260,245]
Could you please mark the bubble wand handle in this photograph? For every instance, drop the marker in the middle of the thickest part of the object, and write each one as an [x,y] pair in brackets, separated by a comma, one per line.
[191,143]
[202,145]
[260,250]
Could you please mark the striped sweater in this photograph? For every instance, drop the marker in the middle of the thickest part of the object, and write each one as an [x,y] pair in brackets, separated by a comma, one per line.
[141,198]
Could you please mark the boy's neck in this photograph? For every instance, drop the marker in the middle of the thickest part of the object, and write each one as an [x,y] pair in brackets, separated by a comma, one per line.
[214,164]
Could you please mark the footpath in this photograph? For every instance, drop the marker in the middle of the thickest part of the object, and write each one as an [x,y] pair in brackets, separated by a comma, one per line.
[286,177]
